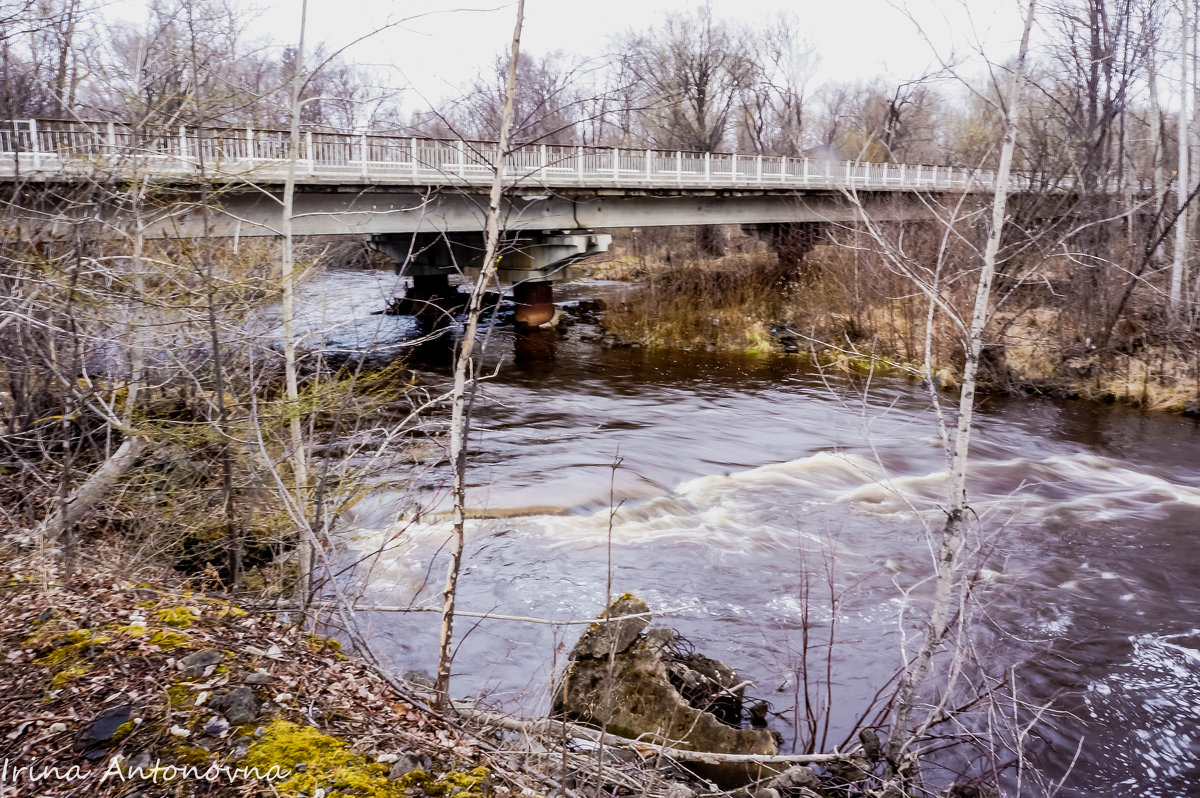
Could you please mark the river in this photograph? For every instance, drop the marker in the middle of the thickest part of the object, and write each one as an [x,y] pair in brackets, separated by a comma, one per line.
[745,492]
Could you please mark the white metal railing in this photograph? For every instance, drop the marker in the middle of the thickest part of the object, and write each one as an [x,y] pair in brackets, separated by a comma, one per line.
[37,149]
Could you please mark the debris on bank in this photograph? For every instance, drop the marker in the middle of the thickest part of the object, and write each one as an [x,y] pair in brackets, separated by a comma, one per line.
[116,689]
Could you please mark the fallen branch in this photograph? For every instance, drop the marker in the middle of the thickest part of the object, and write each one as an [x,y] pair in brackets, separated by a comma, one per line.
[94,488]
[555,729]
[485,615]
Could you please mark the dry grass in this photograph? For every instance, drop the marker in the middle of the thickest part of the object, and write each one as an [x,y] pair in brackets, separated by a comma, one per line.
[854,311]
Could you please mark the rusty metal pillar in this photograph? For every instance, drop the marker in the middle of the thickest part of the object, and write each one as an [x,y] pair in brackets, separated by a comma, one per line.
[535,302]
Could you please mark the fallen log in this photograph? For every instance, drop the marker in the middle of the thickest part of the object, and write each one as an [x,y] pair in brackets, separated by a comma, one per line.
[557,730]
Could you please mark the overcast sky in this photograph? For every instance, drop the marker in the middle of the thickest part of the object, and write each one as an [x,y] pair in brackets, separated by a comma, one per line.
[439,52]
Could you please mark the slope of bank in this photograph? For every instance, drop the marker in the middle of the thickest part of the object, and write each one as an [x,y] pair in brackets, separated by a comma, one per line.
[746,302]
[112,688]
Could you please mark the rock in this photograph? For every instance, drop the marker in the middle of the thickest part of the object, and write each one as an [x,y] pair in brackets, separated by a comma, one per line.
[971,791]
[404,764]
[419,678]
[871,745]
[795,778]
[766,792]
[217,726]
[258,677]
[97,738]
[945,380]
[1191,409]
[852,769]
[649,689]
[677,790]
[558,318]
[614,632]
[194,665]
[239,706]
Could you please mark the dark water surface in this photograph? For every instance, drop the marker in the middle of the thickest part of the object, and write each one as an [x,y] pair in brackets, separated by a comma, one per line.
[746,484]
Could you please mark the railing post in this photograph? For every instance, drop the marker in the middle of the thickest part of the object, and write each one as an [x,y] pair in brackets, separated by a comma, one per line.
[412,155]
[112,135]
[707,168]
[649,166]
[616,165]
[183,147]
[462,159]
[34,147]
[362,152]
[545,162]
[934,179]
[679,167]
[249,143]
[733,169]
[579,164]
[806,171]
[783,175]
[308,150]
[902,173]
[847,174]
[758,167]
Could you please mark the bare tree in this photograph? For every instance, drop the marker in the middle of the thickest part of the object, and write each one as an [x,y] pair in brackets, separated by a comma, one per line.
[958,447]
[466,368]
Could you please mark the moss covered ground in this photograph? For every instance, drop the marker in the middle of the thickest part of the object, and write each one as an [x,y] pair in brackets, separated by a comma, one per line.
[115,689]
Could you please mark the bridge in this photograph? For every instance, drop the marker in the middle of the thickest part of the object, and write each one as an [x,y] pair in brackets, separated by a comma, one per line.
[422,200]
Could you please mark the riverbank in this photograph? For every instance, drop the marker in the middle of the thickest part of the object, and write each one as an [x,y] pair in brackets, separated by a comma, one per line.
[115,688]
[748,302]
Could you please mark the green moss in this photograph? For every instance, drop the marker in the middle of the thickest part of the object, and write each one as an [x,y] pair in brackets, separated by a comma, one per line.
[189,755]
[467,783]
[329,764]
[180,695]
[324,644]
[318,643]
[124,730]
[168,640]
[67,675]
[178,617]
[72,647]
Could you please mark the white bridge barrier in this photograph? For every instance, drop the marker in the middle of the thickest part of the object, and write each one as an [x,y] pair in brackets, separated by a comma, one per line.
[55,150]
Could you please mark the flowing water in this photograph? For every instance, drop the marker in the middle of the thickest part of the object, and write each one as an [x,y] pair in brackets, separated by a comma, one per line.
[749,499]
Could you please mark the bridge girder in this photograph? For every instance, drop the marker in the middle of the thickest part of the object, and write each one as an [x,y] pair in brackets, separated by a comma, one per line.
[372,211]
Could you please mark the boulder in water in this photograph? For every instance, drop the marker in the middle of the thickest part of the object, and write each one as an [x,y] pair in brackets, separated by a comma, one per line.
[632,682]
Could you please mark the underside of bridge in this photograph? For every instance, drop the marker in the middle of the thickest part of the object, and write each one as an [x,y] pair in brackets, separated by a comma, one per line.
[530,262]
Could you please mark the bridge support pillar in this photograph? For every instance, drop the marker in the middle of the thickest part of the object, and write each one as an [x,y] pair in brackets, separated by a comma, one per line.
[791,241]
[532,262]
[539,260]
[535,302]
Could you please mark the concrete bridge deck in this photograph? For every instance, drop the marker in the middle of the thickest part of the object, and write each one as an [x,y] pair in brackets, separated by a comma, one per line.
[366,184]
[40,151]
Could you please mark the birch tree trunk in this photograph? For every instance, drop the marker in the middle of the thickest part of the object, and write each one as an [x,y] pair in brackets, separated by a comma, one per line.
[298,459]
[466,372]
[956,513]
[1179,262]
[1156,148]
